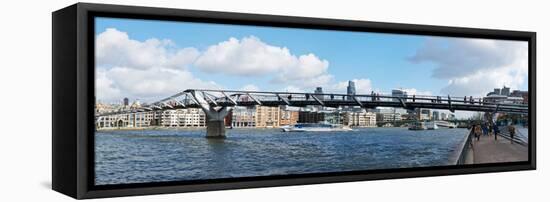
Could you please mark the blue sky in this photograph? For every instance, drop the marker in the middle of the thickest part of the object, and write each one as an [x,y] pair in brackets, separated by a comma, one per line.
[425,64]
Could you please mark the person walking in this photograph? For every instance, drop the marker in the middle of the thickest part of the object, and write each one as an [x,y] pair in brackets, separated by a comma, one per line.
[484,129]
[512,131]
[472,130]
[477,131]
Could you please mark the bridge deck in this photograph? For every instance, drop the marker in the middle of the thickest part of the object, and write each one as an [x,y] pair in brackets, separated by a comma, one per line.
[489,150]
[197,98]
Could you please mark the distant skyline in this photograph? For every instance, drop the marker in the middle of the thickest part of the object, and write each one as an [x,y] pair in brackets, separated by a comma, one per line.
[150,60]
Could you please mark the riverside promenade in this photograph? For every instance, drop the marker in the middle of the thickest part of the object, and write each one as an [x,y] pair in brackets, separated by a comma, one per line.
[489,150]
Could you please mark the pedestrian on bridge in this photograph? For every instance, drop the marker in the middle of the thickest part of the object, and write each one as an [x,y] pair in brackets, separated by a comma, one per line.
[485,129]
[372,96]
[478,132]
[512,131]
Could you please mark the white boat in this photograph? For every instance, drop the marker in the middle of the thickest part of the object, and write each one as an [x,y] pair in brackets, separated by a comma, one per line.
[445,124]
[431,125]
[418,126]
[315,127]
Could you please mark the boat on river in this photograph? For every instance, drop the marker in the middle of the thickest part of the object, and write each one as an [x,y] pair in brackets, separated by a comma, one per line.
[445,124]
[431,125]
[315,127]
[418,126]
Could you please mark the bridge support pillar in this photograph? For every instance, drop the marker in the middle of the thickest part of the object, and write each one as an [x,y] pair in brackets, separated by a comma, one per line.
[215,122]
[215,115]
[215,129]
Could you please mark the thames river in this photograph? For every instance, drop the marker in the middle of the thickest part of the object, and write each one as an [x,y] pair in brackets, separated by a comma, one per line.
[139,156]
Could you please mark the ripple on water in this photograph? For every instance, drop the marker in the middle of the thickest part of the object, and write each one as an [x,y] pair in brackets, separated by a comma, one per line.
[175,155]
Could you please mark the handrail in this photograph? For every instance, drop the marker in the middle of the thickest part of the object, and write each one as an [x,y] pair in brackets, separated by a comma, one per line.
[505,134]
[374,99]
[465,149]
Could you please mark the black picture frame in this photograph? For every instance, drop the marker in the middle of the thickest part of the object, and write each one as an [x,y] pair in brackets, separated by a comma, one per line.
[73,99]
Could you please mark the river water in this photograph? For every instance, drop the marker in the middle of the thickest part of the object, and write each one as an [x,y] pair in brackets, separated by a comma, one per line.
[141,156]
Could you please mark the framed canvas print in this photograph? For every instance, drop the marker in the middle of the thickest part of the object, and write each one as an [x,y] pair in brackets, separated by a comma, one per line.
[156,100]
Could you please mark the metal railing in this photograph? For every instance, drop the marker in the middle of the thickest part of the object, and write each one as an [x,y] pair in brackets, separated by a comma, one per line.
[465,149]
[519,137]
[188,99]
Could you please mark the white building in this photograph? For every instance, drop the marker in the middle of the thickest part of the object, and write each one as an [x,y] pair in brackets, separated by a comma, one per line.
[192,117]
[129,120]
[503,99]
[243,117]
[387,114]
[169,118]
[360,119]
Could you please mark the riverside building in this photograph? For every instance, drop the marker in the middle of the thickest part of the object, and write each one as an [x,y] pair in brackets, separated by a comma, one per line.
[360,119]
[243,117]
[267,117]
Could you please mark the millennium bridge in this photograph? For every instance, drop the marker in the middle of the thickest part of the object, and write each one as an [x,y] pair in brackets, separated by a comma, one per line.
[218,103]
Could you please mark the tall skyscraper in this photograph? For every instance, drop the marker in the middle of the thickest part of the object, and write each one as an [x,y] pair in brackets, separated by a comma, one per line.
[351,89]
[505,91]
[126,101]
[319,90]
[496,91]
[398,93]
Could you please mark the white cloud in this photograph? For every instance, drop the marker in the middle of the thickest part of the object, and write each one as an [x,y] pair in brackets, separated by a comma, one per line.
[105,87]
[250,87]
[152,69]
[475,66]
[304,67]
[115,48]
[149,84]
[482,82]
[414,91]
[312,82]
[293,89]
[250,56]
[146,70]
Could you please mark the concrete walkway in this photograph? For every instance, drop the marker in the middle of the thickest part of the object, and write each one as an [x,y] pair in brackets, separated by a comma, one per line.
[487,150]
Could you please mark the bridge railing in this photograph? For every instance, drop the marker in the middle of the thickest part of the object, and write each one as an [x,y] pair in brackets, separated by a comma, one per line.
[298,96]
[519,137]
[233,97]
[465,150]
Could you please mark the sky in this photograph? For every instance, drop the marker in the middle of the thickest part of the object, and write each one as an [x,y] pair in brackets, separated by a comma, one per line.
[148,60]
